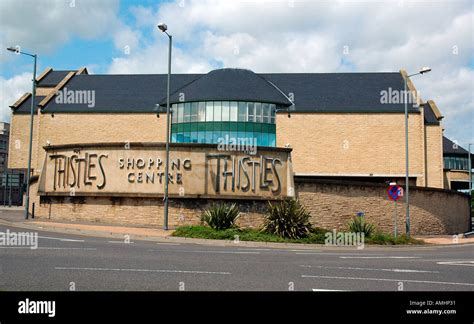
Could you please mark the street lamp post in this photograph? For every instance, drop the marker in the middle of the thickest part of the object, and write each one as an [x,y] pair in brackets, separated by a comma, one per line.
[33,99]
[164,28]
[407,186]
[470,168]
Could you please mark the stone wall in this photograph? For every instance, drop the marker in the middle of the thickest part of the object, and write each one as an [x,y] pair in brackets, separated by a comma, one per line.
[432,211]
[332,205]
[140,211]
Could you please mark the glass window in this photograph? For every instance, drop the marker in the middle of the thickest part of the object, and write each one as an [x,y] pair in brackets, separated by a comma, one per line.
[251,111]
[242,112]
[233,111]
[187,112]
[272,113]
[217,111]
[265,113]
[209,111]
[174,113]
[202,111]
[180,113]
[208,137]
[225,111]
[194,111]
[258,112]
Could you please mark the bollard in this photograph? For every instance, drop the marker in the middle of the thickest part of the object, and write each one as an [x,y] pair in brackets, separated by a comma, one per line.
[33,211]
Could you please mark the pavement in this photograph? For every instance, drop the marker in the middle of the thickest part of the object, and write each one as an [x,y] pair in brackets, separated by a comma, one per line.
[93,260]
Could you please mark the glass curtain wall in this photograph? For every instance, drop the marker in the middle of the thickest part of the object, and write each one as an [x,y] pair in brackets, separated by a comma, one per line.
[217,121]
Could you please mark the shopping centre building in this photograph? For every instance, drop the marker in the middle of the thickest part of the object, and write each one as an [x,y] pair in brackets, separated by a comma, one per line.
[333,140]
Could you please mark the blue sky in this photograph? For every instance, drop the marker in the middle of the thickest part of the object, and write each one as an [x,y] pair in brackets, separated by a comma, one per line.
[265,36]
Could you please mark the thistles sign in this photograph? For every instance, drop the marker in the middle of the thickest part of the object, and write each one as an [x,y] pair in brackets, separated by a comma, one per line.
[138,170]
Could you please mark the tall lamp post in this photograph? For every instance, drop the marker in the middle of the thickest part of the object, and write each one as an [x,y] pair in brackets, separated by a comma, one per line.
[33,99]
[164,28]
[407,186]
[470,168]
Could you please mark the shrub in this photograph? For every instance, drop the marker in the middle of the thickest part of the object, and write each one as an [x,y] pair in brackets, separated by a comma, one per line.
[287,219]
[221,216]
[359,225]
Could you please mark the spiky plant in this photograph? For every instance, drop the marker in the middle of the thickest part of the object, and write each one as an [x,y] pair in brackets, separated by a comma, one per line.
[287,219]
[359,225]
[221,216]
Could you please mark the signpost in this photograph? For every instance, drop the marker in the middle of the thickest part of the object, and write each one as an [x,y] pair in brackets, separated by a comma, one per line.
[395,192]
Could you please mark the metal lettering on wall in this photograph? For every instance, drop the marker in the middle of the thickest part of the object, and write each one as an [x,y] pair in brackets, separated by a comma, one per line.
[194,172]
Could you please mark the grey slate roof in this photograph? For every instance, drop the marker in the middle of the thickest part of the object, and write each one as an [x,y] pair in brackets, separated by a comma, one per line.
[53,78]
[430,117]
[339,92]
[121,93]
[230,84]
[25,107]
[450,148]
[312,92]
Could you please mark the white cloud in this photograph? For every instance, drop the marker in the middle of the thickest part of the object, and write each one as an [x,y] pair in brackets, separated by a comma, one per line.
[307,36]
[43,26]
[11,90]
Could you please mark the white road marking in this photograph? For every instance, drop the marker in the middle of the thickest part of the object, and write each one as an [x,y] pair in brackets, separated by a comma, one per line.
[164,243]
[314,289]
[370,269]
[60,239]
[378,257]
[45,248]
[335,253]
[123,242]
[145,270]
[396,280]
[250,249]
[458,263]
[223,252]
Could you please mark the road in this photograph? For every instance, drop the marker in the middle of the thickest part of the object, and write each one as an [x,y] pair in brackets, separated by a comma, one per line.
[64,262]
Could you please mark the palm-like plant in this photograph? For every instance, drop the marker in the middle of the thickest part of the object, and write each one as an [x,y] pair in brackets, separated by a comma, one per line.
[221,216]
[359,225]
[287,219]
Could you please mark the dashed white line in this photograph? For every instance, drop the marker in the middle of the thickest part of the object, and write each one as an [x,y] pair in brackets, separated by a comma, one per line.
[223,252]
[60,239]
[315,289]
[45,248]
[120,242]
[379,257]
[145,270]
[395,280]
[458,263]
[370,269]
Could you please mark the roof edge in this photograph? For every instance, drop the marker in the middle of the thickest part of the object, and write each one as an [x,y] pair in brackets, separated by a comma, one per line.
[58,87]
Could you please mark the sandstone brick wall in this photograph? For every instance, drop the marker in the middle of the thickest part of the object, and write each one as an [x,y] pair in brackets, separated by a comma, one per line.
[19,141]
[432,211]
[352,143]
[453,175]
[434,156]
[332,205]
[140,211]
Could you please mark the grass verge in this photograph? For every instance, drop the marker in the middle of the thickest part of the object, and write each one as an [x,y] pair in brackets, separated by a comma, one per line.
[316,237]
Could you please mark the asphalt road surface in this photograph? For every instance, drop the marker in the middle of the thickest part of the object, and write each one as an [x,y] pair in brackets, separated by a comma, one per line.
[64,262]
